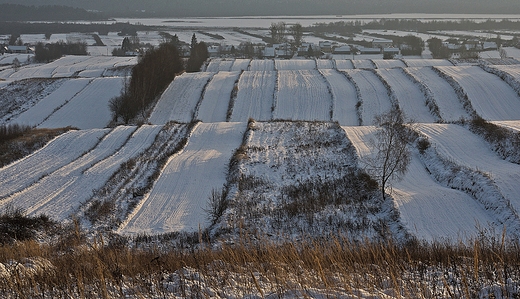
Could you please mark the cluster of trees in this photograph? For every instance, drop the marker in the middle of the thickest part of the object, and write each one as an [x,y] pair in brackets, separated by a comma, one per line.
[156,69]
[438,49]
[198,55]
[279,32]
[53,51]
[129,44]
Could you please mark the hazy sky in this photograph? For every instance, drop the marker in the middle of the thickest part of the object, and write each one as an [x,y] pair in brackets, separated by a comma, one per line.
[181,8]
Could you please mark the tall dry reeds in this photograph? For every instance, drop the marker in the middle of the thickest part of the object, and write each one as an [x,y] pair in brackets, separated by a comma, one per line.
[330,266]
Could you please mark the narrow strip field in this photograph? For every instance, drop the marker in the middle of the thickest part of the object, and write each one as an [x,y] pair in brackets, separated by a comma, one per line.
[374,95]
[255,96]
[344,64]
[388,63]
[363,64]
[44,108]
[427,62]
[411,99]
[180,99]
[294,64]
[490,96]
[450,106]
[458,144]
[428,210]
[89,108]
[302,95]
[344,97]
[49,187]
[67,200]
[180,194]
[217,65]
[325,64]
[241,65]
[262,65]
[59,152]
[215,102]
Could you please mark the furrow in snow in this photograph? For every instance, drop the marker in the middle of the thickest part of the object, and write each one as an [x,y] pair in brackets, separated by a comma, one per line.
[255,96]
[344,97]
[216,98]
[179,196]
[450,107]
[57,153]
[428,210]
[262,65]
[44,108]
[69,199]
[179,101]
[302,95]
[49,187]
[490,96]
[89,108]
[410,97]
[459,145]
[374,96]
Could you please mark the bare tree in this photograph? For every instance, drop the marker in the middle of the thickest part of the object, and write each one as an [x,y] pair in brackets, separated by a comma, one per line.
[392,155]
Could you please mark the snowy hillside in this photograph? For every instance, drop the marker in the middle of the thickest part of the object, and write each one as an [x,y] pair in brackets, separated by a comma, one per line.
[267,135]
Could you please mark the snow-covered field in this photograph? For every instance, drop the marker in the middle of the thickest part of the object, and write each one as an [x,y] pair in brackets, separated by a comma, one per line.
[302,95]
[217,96]
[61,177]
[192,174]
[256,90]
[179,101]
[490,96]
[410,98]
[89,108]
[428,209]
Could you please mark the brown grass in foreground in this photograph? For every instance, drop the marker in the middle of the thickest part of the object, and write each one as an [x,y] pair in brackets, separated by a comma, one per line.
[73,267]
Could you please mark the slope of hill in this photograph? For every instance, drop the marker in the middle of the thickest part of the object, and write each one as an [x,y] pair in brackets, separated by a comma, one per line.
[292,153]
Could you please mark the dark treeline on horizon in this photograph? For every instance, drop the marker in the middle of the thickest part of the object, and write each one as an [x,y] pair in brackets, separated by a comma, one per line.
[207,8]
[17,12]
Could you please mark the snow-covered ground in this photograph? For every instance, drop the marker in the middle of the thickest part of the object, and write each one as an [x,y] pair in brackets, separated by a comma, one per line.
[428,210]
[45,107]
[374,96]
[344,64]
[363,64]
[459,145]
[217,96]
[344,98]
[388,63]
[255,96]
[411,100]
[47,191]
[89,108]
[241,65]
[179,101]
[216,65]
[450,106]
[302,95]
[180,195]
[59,152]
[262,65]
[294,64]
[490,96]
[426,62]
